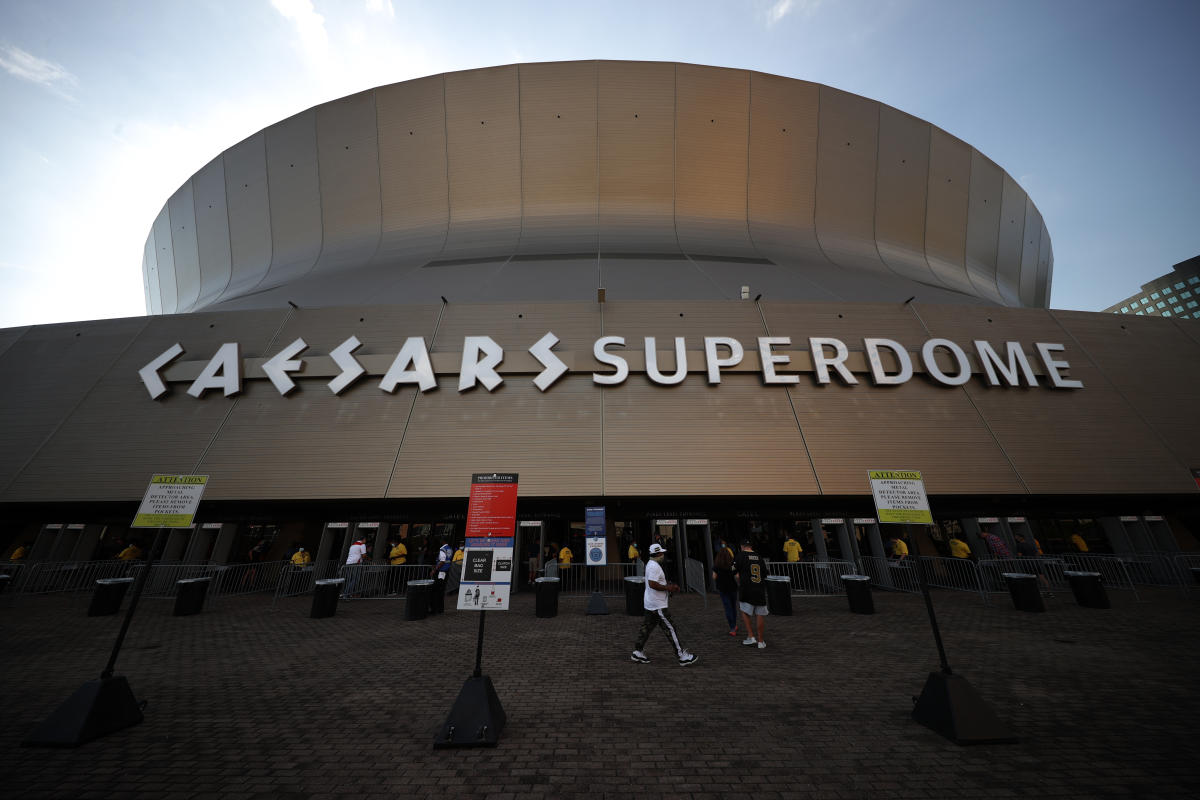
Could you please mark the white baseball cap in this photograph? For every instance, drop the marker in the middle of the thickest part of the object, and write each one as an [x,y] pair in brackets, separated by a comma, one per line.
[657,548]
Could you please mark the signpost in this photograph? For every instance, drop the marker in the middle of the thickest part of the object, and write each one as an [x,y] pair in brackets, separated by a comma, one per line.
[948,704]
[476,718]
[596,549]
[107,705]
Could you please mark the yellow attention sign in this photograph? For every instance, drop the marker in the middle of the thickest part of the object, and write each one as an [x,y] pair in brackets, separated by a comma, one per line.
[900,497]
[170,501]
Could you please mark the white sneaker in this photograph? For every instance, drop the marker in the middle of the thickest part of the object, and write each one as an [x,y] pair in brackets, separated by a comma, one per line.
[762,645]
[688,659]
[639,657]
[750,642]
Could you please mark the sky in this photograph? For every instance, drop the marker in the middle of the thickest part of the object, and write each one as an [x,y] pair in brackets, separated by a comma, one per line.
[108,106]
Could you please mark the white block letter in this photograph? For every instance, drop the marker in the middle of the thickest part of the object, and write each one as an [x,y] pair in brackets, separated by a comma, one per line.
[1016,360]
[412,353]
[1054,367]
[351,369]
[935,372]
[769,359]
[223,371]
[680,363]
[880,377]
[554,367]
[736,353]
[479,369]
[599,353]
[817,345]
[277,368]
[149,373]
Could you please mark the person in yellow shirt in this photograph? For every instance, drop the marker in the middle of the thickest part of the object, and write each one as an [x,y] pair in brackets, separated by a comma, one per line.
[398,554]
[458,555]
[898,547]
[301,558]
[959,548]
[131,553]
[633,553]
[792,549]
[1079,543]
[20,553]
[564,557]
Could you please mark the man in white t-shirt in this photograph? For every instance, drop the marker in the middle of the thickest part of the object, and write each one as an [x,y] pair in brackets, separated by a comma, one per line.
[654,601]
[356,556]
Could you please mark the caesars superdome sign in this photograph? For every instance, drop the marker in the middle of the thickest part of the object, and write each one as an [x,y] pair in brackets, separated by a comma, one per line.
[885,361]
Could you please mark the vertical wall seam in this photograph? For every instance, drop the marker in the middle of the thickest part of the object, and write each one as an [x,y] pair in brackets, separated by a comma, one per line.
[449,206]
[875,196]
[387,488]
[749,140]
[228,233]
[795,415]
[378,173]
[817,188]
[320,195]
[675,156]
[938,282]
[270,221]
[520,170]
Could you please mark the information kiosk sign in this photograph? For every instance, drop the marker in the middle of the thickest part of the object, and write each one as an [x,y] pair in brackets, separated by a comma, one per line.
[597,549]
[488,558]
[900,496]
[170,501]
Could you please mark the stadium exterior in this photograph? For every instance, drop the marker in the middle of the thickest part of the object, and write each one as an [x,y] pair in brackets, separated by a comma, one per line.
[707,299]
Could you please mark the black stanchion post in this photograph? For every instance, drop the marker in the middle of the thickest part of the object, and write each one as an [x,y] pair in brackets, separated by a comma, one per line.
[949,704]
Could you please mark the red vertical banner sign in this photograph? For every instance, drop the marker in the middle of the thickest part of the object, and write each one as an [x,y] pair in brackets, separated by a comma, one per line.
[491,526]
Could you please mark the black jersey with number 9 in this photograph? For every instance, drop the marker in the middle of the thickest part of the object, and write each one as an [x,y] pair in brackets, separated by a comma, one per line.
[752,575]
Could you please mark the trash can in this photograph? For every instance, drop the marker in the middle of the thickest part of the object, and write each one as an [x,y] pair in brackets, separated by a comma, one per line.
[545,592]
[779,595]
[437,596]
[1196,574]
[1088,590]
[5,582]
[189,596]
[106,599]
[416,599]
[325,597]
[635,593]
[1024,590]
[858,592]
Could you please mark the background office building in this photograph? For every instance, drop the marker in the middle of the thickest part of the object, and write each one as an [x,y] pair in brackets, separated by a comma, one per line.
[709,300]
[1176,294]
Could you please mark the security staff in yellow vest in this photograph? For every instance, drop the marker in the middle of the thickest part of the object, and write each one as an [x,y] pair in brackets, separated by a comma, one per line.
[959,548]
[792,549]
[398,554]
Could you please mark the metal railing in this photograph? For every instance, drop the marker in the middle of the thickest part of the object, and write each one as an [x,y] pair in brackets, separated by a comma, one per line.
[55,577]
[895,575]
[383,581]
[579,579]
[813,577]
[956,574]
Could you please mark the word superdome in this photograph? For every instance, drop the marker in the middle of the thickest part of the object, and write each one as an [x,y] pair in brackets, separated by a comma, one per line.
[942,360]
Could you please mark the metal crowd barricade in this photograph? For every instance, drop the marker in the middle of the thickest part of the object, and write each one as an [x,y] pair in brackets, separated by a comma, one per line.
[164,575]
[1049,570]
[54,577]
[813,577]
[1112,569]
[1156,568]
[579,579]
[956,574]
[380,581]
[897,575]
[1188,567]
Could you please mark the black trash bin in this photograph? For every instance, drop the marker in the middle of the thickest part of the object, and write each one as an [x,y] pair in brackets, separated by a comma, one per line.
[635,593]
[1088,590]
[1024,590]
[106,600]
[5,582]
[1196,574]
[189,596]
[545,592]
[325,597]
[416,599]
[437,596]
[858,592]
[779,595]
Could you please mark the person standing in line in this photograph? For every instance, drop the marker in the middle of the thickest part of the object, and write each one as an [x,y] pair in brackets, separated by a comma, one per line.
[441,569]
[355,556]
[959,548]
[632,553]
[898,548]
[995,545]
[727,587]
[1079,543]
[655,601]
[792,549]
[751,575]
[301,558]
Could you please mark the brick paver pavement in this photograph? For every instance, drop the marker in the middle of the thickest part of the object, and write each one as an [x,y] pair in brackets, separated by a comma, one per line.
[255,701]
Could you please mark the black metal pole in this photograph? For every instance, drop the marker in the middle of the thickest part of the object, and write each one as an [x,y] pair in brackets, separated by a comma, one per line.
[937,634]
[479,648]
[133,601]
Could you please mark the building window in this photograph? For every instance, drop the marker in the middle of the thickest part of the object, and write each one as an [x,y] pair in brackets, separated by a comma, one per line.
[1179,285]
[1194,279]
[1172,299]
[1185,295]
[1145,300]
[1192,304]
[1161,304]
[1178,309]
[1140,314]
[1154,295]
[1166,313]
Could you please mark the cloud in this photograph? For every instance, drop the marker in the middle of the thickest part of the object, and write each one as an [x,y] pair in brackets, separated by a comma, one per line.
[27,66]
[309,25]
[381,7]
[781,8]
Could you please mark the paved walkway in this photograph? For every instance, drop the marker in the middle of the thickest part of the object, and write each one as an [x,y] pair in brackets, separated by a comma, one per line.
[255,701]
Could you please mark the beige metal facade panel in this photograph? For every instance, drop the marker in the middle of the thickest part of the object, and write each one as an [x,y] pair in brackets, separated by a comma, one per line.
[411,118]
[295,198]
[850,322]
[691,320]
[551,439]
[107,457]
[249,209]
[1156,368]
[559,157]
[918,425]
[381,329]
[783,167]
[1056,437]
[730,276]
[164,255]
[1030,242]
[712,131]
[983,225]
[47,371]
[737,438]
[484,151]
[539,278]
[903,177]
[946,215]
[846,160]
[212,230]
[182,214]
[636,142]
[517,327]
[269,445]
[657,279]
[348,160]
[1009,247]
